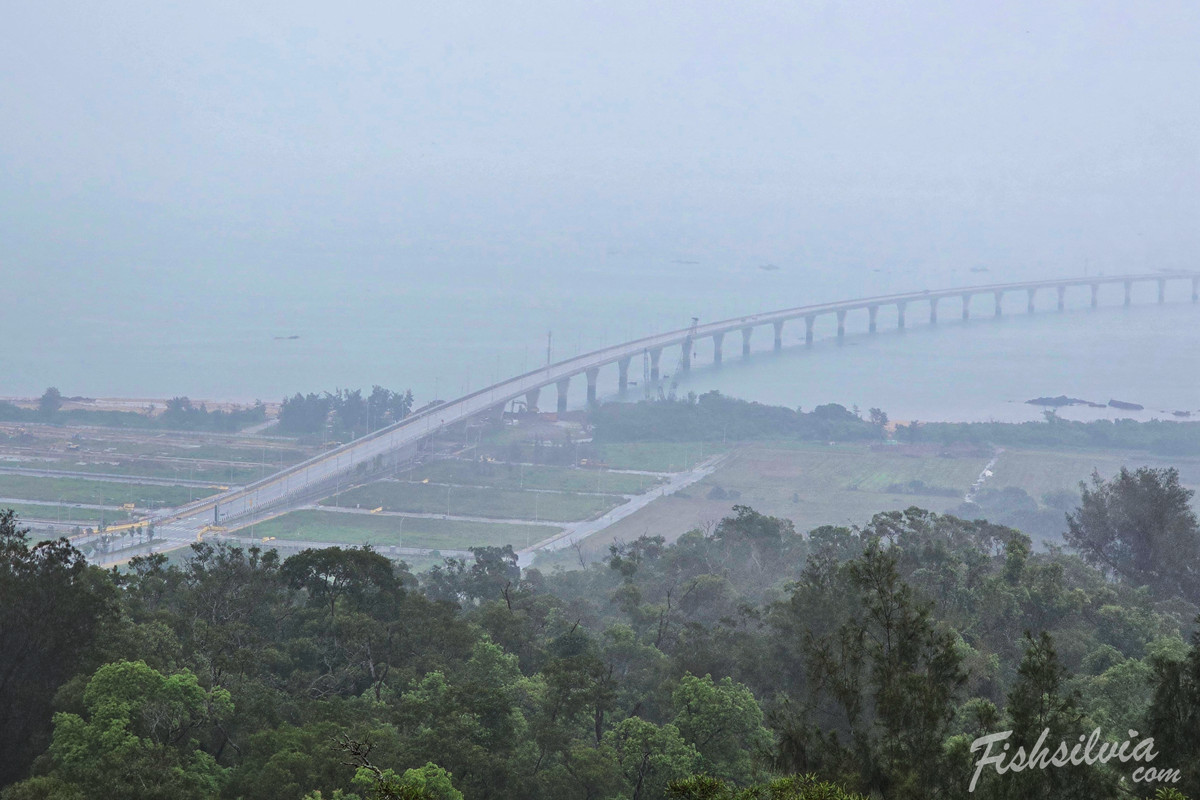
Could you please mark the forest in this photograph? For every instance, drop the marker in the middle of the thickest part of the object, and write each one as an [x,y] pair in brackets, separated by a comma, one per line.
[747,661]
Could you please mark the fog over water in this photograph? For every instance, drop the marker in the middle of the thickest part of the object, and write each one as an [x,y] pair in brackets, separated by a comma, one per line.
[420,194]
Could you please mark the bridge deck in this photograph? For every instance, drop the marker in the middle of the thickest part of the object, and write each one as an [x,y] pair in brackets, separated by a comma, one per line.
[276,490]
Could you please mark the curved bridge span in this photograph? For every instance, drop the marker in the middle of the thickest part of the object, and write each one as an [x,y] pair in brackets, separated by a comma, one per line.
[319,476]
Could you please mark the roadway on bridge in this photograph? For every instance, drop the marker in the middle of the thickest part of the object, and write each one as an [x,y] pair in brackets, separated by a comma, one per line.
[292,487]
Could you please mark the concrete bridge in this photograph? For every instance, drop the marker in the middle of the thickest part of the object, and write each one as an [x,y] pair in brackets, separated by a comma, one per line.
[321,476]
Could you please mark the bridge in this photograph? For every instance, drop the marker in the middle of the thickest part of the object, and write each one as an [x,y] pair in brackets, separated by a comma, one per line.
[323,475]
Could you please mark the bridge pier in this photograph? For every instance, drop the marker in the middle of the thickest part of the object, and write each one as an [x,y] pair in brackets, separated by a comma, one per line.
[531,400]
[655,354]
[623,374]
[966,303]
[1195,290]
[778,334]
[746,341]
[1162,291]
[563,385]
[933,310]
[900,314]
[591,374]
[685,355]
[999,302]
[872,311]
[808,328]
[718,339]
[1128,292]
[1062,298]
[1095,295]
[841,318]
[1032,294]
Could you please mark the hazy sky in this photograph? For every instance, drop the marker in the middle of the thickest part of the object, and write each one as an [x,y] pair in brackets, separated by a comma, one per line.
[171,148]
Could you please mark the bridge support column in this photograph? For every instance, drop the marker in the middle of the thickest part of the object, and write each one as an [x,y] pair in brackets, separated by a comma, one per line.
[718,339]
[900,315]
[623,374]
[655,354]
[933,310]
[1195,290]
[592,374]
[1162,291]
[746,341]
[1095,295]
[1032,294]
[872,311]
[1062,298]
[531,400]
[999,302]
[685,355]
[1128,292]
[841,318]
[808,328]
[778,334]
[966,300]
[563,384]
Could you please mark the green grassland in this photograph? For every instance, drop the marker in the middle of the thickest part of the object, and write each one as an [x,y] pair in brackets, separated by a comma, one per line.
[248,452]
[815,485]
[1041,471]
[385,530]
[78,490]
[149,468]
[656,456]
[524,476]
[473,501]
[68,514]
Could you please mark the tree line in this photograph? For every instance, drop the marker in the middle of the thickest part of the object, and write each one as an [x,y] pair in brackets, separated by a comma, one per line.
[180,414]
[346,414]
[745,662]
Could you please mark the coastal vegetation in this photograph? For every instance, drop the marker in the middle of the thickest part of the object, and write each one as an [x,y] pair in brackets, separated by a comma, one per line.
[1155,436]
[749,660]
[348,414]
[179,414]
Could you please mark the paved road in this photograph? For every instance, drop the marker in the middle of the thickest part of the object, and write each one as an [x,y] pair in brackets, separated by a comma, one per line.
[581,530]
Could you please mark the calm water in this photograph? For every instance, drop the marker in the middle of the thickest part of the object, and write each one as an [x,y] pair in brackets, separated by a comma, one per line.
[455,329]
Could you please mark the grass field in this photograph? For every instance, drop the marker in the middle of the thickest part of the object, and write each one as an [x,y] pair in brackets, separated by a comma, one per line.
[147,468]
[1039,471]
[520,476]
[69,515]
[384,531]
[79,490]
[810,484]
[816,485]
[472,501]
[656,456]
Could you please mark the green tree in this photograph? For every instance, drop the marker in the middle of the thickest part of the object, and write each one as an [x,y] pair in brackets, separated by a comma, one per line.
[1039,701]
[429,782]
[1141,527]
[137,738]
[53,606]
[723,721]
[49,403]
[795,787]
[649,757]
[1174,714]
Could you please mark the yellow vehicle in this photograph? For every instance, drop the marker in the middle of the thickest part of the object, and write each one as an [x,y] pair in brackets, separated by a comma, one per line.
[128,506]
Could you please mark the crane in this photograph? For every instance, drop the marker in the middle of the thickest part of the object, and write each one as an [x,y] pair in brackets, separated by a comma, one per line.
[685,354]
